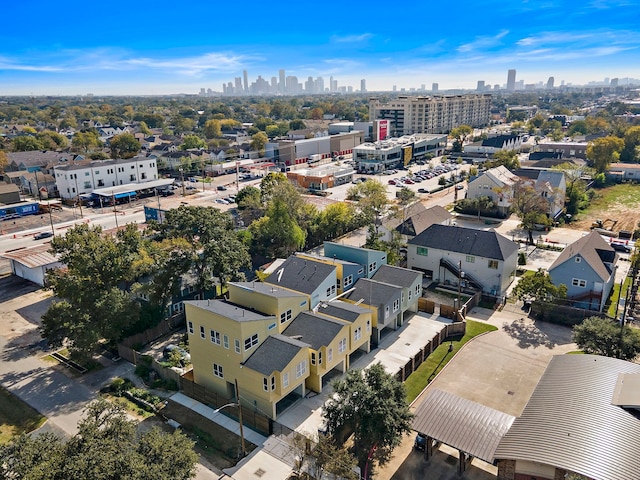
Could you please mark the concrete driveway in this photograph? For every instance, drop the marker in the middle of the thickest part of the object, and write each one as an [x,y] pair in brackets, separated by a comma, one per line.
[500,370]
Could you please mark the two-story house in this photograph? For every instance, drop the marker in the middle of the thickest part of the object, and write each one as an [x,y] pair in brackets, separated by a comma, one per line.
[588,268]
[496,183]
[370,259]
[409,280]
[317,280]
[347,273]
[482,259]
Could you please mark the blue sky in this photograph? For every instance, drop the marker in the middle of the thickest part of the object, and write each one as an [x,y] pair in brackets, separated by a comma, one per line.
[161,47]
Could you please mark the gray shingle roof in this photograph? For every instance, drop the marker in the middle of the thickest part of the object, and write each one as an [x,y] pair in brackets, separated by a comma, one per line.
[267,289]
[229,310]
[372,292]
[274,354]
[482,243]
[316,330]
[418,222]
[571,423]
[301,274]
[403,277]
[342,310]
[594,250]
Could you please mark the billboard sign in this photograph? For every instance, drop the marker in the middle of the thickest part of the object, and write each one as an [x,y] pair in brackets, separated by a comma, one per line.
[407,154]
[382,129]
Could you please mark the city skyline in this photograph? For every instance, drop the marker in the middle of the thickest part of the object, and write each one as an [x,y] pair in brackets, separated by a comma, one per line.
[180,53]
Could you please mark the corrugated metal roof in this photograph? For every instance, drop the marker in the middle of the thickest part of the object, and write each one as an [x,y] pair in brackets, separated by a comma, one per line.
[571,423]
[32,257]
[461,423]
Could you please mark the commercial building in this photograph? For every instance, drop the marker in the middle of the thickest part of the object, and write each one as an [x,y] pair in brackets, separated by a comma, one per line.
[75,180]
[396,152]
[432,114]
[312,150]
[322,177]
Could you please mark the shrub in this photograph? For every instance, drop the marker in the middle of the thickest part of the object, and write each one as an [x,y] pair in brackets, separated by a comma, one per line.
[522,258]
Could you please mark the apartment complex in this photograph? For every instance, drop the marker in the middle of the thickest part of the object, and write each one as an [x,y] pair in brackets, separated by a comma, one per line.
[431,114]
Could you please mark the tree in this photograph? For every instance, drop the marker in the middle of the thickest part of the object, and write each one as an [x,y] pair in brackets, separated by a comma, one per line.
[631,151]
[460,134]
[603,151]
[297,124]
[192,141]
[4,161]
[540,287]
[26,143]
[85,141]
[94,302]
[269,184]
[124,145]
[405,196]
[250,206]
[212,129]
[258,141]
[530,207]
[277,234]
[212,249]
[372,201]
[507,158]
[372,405]
[107,446]
[601,336]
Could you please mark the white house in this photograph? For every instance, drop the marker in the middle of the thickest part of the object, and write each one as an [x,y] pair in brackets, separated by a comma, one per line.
[32,263]
[74,180]
[448,254]
[496,183]
[492,145]
[552,186]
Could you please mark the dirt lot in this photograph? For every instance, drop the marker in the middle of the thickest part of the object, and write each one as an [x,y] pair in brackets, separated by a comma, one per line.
[619,203]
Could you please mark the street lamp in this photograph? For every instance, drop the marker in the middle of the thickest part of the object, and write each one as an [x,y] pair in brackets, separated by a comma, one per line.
[239,405]
[460,278]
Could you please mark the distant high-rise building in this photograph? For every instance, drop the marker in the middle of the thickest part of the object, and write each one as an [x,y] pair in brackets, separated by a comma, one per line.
[480,86]
[395,88]
[496,87]
[423,87]
[606,80]
[434,87]
[319,85]
[309,85]
[274,85]
[281,84]
[511,79]
[550,83]
[614,82]
[246,82]
[363,86]
[333,84]
[238,89]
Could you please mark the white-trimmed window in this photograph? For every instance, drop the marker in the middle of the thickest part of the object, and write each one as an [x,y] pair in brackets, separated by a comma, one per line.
[470,259]
[225,341]
[265,384]
[386,312]
[342,345]
[357,334]
[237,345]
[285,380]
[190,324]
[215,337]
[320,357]
[424,251]
[417,289]
[301,368]
[313,358]
[217,370]
[202,334]
[578,259]
[250,342]
[285,316]
[579,282]
[410,293]
[348,281]
[368,326]
[373,267]
[493,264]
[330,355]
[396,305]
[273,383]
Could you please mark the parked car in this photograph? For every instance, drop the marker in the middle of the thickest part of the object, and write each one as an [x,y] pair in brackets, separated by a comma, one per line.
[41,235]
[621,247]
[423,190]
[393,181]
[190,187]
[221,188]
[459,186]
[420,442]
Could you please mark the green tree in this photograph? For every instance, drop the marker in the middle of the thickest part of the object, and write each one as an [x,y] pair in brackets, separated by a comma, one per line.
[372,405]
[601,336]
[94,304]
[405,196]
[212,249]
[631,151]
[277,234]
[371,201]
[107,446]
[258,142]
[86,141]
[269,184]
[26,143]
[192,141]
[212,129]
[507,158]
[530,207]
[332,222]
[297,124]
[124,145]
[604,151]
[4,161]
[250,206]
[540,287]
[460,135]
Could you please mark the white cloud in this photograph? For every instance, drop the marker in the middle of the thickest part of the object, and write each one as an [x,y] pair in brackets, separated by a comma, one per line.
[363,37]
[484,42]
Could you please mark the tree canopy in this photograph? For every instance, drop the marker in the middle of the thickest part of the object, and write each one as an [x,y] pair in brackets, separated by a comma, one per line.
[530,207]
[602,336]
[372,405]
[106,447]
[539,287]
[603,151]
[124,145]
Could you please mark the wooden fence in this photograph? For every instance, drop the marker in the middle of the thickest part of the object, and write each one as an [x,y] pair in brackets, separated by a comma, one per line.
[250,417]
[127,347]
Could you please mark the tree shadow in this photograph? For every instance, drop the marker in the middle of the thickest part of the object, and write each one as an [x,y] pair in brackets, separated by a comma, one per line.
[26,345]
[12,287]
[529,334]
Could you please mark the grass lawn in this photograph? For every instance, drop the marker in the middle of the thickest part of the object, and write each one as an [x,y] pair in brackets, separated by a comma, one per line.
[626,194]
[16,417]
[615,295]
[439,358]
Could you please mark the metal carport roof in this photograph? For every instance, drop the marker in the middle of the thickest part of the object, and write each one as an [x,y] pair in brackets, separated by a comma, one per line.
[462,424]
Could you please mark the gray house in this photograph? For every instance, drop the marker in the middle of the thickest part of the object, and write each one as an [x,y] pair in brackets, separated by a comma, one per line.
[409,280]
[484,260]
[370,259]
[588,268]
[383,299]
[317,280]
